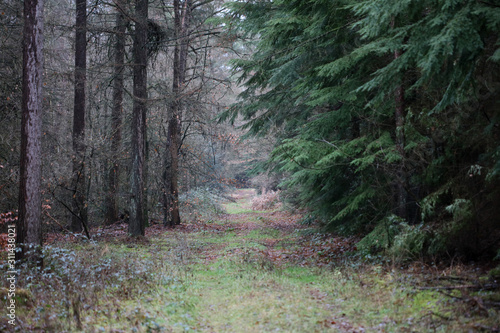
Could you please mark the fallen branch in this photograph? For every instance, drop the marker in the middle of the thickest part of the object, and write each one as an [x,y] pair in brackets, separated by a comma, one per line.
[57,222]
[479,302]
[450,278]
[85,228]
[486,328]
[490,286]
[439,315]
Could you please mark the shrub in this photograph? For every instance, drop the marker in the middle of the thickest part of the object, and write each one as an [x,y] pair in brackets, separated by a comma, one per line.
[267,201]
[202,204]
[382,236]
[395,237]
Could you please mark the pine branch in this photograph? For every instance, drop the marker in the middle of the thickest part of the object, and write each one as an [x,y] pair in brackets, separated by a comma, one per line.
[489,4]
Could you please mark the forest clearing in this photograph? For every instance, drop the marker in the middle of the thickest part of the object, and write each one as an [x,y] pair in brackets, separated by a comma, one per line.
[250,271]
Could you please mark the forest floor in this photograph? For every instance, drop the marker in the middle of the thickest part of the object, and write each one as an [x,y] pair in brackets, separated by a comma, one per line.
[248,271]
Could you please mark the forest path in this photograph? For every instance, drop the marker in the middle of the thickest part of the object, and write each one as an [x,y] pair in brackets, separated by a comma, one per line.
[263,271]
[257,271]
[246,271]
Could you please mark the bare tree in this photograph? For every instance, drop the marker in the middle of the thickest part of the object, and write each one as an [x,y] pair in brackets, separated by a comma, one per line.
[79,217]
[29,227]
[116,115]
[182,13]
[137,221]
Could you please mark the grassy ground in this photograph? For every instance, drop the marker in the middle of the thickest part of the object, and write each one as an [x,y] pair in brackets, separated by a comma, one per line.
[247,272]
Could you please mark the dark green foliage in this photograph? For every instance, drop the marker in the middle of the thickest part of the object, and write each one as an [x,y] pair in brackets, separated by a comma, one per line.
[324,76]
[157,37]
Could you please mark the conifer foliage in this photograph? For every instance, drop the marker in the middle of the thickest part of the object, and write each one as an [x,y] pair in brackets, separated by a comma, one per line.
[387,114]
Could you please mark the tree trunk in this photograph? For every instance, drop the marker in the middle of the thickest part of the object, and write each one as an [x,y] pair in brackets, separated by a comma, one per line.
[172,217]
[116,116]
[80,194]
[401,195]
[145,172]
[137,223]
[181,20]
[401,178]
[166,186]
[29,231]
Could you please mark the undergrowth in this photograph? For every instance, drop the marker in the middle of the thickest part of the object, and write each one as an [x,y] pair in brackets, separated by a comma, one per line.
[202,204]
[267,201]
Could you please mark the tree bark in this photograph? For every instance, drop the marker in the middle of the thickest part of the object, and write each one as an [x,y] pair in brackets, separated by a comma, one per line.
[401,195]
[401,179]
[116,116]
[137,222]
[79,180]
[181,21]
[172,215]
[29,227]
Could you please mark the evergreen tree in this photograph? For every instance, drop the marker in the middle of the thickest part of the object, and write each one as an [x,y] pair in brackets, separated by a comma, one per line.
[382,108]
[29,231]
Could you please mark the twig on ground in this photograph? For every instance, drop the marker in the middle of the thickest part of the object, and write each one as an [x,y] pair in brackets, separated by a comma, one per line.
[490,286]
[57,222]
[439,315]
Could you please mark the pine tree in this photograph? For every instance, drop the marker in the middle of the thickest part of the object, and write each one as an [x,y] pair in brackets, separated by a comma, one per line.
[29,231]
[373,103]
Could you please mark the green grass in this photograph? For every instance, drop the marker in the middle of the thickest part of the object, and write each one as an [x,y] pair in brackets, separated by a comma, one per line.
[237,208]
[264,234]
[170,289]
[211,281]
[242,205]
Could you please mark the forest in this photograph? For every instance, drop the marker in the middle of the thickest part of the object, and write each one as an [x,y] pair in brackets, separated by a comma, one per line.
[250,165]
